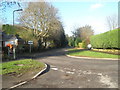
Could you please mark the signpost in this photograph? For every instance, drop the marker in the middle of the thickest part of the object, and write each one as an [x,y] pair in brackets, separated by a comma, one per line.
[30,43]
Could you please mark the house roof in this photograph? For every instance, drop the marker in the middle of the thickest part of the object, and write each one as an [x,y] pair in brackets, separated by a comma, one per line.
[6,37]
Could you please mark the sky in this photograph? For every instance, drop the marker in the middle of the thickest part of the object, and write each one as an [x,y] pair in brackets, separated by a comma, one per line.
[74,14]
[78,14]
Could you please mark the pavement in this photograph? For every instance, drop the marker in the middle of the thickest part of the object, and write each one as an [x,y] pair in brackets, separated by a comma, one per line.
[12,80]
[68,72]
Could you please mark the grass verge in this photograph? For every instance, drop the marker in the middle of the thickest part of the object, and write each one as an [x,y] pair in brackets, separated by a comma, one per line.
[88,53]
[20,66]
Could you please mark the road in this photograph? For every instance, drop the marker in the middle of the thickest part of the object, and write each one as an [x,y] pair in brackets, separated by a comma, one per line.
[67,72]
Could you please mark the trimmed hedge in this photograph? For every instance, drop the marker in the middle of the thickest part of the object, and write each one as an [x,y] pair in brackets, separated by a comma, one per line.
[106,40]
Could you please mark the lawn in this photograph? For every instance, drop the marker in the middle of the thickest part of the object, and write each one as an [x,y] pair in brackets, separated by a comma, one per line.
[88,53]
[20,66]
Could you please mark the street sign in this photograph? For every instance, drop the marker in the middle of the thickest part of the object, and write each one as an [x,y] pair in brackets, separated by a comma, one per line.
[30,42]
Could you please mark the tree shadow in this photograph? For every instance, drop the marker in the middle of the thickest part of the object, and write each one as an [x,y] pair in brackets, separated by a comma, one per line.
[77,50]
[49,53]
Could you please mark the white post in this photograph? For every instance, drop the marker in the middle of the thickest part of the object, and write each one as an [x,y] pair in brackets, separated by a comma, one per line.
[14,56]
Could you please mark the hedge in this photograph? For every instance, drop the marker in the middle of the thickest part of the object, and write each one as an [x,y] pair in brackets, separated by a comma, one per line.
[106,40]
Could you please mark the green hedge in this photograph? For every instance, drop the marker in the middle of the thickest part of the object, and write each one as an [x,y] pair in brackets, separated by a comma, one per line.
[106,40]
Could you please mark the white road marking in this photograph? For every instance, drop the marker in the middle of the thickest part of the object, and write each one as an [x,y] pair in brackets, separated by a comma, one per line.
[61,71]
[54,68]
[100,74]
[70,72]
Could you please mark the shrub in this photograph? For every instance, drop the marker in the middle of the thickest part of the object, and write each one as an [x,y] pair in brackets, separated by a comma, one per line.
[80,45]
[71,43]
[77,41]
[84,44]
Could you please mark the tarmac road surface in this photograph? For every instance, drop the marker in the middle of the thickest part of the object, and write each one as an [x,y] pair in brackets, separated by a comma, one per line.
[67,72]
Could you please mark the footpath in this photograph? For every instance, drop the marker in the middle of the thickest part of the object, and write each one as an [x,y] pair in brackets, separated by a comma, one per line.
[11,81]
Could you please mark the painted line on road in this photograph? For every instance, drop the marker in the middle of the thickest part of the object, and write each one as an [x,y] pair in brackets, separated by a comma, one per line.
[54,68]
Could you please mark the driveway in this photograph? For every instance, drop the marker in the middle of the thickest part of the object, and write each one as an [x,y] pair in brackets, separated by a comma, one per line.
[66,72]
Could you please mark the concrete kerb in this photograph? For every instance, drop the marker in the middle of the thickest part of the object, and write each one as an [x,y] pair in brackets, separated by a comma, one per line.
[91,58]
[35,76]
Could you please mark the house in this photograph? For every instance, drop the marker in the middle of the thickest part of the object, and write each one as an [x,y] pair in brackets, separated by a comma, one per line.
[9,41]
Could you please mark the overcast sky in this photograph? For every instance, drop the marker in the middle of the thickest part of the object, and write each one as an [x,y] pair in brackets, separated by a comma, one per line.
[79,13]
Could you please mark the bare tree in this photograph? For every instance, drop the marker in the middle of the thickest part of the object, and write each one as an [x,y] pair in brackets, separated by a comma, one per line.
[112,22]
[42,18]
[84,33]
[36,17]
[5,4]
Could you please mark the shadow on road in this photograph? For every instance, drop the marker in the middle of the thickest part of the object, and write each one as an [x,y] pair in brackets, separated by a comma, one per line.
[56,52]
[77,50]
[49,53]
[47,70]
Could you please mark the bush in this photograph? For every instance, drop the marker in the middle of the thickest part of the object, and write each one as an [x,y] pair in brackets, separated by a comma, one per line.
[84,44]
[106,40]
[80,45]
[71,43]
[77,41]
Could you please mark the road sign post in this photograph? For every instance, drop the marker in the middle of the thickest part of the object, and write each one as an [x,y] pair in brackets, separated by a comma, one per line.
[30,43]
[30,48]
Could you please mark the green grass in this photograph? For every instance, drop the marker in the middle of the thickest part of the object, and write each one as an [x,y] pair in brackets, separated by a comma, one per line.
[91,54]
[20,66]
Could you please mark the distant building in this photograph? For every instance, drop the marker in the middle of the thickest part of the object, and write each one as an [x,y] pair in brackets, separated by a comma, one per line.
[11,39]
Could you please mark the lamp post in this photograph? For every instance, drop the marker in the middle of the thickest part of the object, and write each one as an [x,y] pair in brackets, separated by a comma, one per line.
[14,56]
[13,14]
